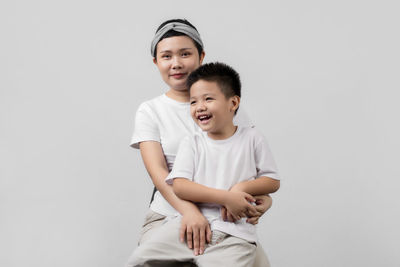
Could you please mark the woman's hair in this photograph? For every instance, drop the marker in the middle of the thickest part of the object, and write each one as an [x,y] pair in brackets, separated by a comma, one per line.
[172,33]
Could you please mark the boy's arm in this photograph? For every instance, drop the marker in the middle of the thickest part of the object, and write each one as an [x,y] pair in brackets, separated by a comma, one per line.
[236,202]
[154,161]
[260,186]
[266,183]
[256,189]
[267,180]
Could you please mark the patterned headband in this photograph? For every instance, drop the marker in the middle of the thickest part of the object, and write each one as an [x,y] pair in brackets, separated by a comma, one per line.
[179,27]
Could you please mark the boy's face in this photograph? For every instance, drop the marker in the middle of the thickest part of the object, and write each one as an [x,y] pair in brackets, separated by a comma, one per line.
[211,110]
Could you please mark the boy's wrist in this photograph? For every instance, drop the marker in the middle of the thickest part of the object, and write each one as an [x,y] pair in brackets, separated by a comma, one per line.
[225,197]
[237,187]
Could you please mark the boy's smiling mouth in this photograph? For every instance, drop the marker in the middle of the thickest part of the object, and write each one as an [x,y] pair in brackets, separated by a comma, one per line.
[204,118]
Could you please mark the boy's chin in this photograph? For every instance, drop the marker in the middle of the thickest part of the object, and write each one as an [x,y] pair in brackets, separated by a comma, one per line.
[204,128]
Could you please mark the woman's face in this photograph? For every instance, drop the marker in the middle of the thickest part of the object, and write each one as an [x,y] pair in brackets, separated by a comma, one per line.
[176,58]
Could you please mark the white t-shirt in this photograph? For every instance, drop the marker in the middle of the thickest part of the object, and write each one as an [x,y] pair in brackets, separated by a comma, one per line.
[221,164]
[167,121]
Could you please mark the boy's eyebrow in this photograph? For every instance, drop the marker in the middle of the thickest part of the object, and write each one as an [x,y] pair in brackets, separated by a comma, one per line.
[203,95]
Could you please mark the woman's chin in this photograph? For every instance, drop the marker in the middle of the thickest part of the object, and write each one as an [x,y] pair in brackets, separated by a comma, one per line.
[178,87]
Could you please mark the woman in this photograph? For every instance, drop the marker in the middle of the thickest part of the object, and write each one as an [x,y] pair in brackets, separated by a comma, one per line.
[162,122]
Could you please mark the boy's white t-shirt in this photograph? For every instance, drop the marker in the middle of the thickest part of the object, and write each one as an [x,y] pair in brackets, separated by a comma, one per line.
[167,121]
[221,164]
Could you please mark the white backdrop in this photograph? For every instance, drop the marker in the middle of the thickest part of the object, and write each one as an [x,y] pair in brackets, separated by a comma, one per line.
[320,79]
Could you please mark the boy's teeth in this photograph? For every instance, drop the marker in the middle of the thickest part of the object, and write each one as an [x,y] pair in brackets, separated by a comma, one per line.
[203,117]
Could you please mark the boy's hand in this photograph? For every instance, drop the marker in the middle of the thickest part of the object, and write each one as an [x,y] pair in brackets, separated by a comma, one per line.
[238,206]
[263,203]
[196,229]
[227,216]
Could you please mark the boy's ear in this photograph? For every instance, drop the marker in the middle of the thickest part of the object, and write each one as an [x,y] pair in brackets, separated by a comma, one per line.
[235,101]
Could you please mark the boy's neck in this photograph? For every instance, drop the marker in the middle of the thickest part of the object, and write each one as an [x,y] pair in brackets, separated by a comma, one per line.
[225,133]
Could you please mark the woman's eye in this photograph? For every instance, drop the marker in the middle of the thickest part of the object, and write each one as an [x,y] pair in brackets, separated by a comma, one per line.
[185,54]
[166,56]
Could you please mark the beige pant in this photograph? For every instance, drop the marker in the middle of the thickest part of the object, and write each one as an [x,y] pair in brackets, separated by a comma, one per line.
[163,248]
[151,233]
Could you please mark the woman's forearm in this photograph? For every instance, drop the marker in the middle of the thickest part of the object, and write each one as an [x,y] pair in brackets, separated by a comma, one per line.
[156,166]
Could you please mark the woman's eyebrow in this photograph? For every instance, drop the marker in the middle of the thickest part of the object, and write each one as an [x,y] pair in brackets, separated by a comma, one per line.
[170,51]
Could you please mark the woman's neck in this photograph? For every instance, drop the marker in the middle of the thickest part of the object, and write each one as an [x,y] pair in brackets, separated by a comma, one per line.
[180,96]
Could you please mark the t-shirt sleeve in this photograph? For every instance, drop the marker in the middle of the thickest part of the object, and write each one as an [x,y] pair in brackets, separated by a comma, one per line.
[184,163]
[265,162]
[145,129]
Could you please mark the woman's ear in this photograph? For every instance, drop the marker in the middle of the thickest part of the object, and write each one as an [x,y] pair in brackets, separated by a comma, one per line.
[202,55]
[155,60]
[235,101]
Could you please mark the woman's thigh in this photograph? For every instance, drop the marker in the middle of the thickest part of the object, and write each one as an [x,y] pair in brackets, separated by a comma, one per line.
[163,248]
[227,250]
[261,259]
[152,221]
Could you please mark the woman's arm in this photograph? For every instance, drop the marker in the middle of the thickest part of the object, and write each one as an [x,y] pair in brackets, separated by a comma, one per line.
[263,203]
[193,224]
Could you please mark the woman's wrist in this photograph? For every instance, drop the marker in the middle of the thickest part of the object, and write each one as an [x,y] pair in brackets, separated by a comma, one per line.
[188,207]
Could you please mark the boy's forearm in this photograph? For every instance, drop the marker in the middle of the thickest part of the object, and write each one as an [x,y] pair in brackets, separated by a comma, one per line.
[260,186]
[191,191]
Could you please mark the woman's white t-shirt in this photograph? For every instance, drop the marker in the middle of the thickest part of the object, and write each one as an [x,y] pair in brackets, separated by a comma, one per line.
[167,121]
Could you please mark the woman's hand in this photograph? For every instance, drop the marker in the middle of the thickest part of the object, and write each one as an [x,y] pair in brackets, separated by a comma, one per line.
[263,203]
[196,229]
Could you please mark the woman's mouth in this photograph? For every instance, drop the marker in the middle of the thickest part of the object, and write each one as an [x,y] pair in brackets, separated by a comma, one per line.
[178,75]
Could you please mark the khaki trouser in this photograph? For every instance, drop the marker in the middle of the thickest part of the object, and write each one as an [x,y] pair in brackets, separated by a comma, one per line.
[153,220]
[163,248]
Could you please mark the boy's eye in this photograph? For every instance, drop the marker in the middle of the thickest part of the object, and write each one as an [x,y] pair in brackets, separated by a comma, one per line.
[209,99]
[192,102]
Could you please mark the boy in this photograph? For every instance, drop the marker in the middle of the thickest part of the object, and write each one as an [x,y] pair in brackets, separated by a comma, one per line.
[222,167]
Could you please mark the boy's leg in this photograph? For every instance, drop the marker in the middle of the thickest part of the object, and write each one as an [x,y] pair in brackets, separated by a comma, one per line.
[227,250]
[162,248]
[261,259]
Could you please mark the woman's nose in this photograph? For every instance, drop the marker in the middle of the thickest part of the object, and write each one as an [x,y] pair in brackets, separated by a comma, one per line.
[176,63]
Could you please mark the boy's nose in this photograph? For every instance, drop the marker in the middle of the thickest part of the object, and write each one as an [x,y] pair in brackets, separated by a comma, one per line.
[200,107]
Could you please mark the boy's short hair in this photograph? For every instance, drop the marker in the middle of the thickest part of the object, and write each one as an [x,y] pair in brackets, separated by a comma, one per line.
[225,76]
